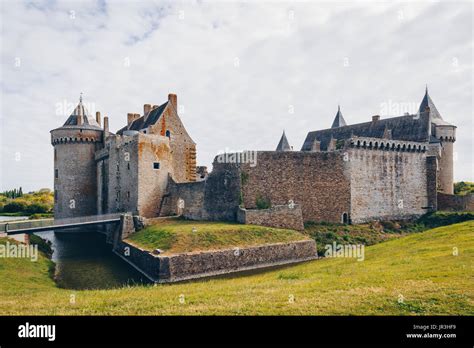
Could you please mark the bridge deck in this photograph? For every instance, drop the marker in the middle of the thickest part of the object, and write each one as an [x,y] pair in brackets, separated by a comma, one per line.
[31,226]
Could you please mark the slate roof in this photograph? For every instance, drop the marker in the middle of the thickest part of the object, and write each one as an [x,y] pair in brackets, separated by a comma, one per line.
[408,127]
[283,145]
[145,121]
[88,122]
[339,121]
[435,115]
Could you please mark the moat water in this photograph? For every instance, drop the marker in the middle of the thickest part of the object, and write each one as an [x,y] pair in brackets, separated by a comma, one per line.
[85,261]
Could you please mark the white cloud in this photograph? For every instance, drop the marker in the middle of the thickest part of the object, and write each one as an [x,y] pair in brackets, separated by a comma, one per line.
[291,57]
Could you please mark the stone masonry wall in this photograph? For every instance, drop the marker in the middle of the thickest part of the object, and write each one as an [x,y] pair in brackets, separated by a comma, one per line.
[281,216]
[75,186]
[183,148]
[132,182]
[152,182]
[455,203]
[387,184]
[164,269]
[432,182]
[318,181]
[216,198]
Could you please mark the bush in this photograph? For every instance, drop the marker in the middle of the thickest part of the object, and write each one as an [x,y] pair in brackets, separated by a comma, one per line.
[437,219]
[37,208]
[14,207]
[463,187]
[262,203]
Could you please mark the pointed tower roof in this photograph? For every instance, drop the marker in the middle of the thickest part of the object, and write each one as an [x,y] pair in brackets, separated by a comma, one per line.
[80,117]
[283,145]
[427,102]
[339,121]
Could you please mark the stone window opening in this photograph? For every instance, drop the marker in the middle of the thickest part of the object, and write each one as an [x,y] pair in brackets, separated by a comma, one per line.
[56,173]
[128,195]
[156,165]
[345,218]
[168,134]
[128,166]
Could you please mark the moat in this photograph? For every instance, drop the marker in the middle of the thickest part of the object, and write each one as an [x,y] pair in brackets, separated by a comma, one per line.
[85,261]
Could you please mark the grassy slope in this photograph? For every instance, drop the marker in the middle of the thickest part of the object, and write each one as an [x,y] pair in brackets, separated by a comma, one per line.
[420,267]
[175,236]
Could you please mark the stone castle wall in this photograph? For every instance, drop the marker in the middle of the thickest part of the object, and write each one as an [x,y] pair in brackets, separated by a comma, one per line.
[127,174]
[318,181]
[455,203]
[281,216]
[216,198]
[183,148]
[387,184]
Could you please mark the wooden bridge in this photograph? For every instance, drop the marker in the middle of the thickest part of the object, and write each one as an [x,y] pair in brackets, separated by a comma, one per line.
[31,226]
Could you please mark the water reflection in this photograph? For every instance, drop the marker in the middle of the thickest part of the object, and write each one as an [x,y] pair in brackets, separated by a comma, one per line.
[84,261]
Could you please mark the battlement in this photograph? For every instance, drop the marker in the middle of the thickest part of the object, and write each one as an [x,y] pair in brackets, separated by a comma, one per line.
[386,144]
[75,136]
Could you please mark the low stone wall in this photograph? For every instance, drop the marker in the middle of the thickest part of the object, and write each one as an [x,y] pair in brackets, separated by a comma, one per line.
[281,216]
[173,268]
[153,266]
[455,203]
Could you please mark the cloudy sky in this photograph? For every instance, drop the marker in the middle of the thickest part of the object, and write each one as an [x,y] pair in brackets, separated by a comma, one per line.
[242,71]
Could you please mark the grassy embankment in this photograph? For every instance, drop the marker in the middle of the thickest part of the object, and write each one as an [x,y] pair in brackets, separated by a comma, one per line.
[376,232]
[173,236]
[419,274]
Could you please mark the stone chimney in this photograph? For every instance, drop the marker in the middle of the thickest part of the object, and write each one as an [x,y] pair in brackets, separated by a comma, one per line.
[131,117]
[106,124]
[97,117]
[332,146]
[173,100]
[316,147]
[155,107]
[375,118]
[146,109]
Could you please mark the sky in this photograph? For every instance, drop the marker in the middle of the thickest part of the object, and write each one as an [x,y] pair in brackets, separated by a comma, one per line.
[243,71]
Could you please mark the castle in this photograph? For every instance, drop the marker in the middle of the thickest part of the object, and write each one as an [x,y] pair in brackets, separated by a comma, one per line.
[390,168]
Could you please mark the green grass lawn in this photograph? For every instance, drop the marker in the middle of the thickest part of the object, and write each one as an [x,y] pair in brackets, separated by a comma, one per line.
[379,231]
[176,236]
[416,274]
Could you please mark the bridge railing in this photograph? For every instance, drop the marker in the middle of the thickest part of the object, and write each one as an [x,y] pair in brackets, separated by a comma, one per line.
[28,224]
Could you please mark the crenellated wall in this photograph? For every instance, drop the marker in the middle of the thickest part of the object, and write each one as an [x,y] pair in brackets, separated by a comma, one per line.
[388,179]
[75,185]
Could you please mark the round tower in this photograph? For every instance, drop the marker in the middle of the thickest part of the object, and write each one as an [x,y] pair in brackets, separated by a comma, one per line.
[75,172]
[443,133]
[446,134]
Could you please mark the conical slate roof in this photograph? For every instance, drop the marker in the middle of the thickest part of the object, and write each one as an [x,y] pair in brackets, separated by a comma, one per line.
[434,113]
[283,145]
[339,121]
[81,113]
